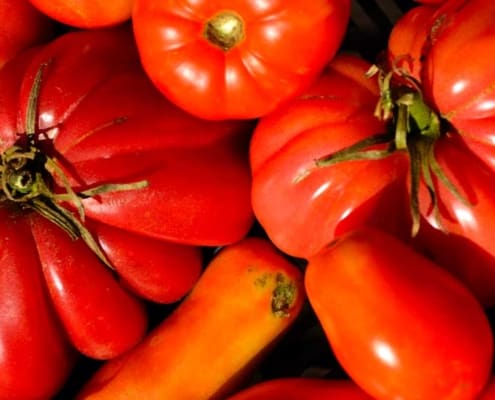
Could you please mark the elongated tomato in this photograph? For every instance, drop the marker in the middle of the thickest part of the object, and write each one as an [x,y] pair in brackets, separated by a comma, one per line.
[247,297]
[401,326]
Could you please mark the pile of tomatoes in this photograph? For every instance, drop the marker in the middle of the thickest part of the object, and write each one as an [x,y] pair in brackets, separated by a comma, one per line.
[218,200]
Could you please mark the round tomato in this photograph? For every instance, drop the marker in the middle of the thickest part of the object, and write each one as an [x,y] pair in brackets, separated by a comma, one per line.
[22,26]
[302,206]
[97,167]
[222,59]
[401,326]
[86,13]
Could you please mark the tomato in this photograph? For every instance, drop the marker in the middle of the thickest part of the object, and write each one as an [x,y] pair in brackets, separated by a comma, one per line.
[115,190]
[302,388]
[86,13]
[400,325]
[454,35]
[222,59]
[36,357]
[436,47]
[489,391]
[303,207]
[22,26]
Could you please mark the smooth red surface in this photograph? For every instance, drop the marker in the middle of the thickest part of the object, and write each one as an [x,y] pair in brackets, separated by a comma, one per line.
[87,14]
[22,26]
[285,46]
[401,326]
[302,388]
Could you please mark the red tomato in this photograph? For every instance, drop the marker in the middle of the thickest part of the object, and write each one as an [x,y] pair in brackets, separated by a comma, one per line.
[441,43]
[489,391]
[86,13]
[82,113]
[401,326]
[303,207]
[222,59]
[36,357]
[302,388]
[454,35]
[22,26]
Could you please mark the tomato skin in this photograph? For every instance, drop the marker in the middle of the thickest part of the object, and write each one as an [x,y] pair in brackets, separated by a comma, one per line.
[407,39]
[100,317]
[463,243]
[489,391]
[303,207]
[454,34]
[171,268]
[86,14]
[36,357]
[22,26]
[253,77]
[103,121]
[302,388]
[424,337]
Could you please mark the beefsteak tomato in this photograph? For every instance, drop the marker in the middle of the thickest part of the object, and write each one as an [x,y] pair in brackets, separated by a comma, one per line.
[441,56]
[222,59]
[401,326]
[301,206]
[22,26]
[97,167]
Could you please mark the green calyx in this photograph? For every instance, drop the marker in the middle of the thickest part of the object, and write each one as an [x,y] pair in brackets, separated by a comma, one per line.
[27,175]
[414,128]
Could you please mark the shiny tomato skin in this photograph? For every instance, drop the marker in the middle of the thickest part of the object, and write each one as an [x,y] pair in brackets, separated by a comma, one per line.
[303,207]
[489,391]
[36,357]
[100,317]
[407,39]
[87,14]
[284,47]
[171,268]
[137,135]
[298,388]
[450,60]
[102,121]
[22,26]
[463,242]
[454,66]
[401,326]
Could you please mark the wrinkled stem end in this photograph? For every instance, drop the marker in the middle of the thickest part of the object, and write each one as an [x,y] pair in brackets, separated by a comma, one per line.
[224,30]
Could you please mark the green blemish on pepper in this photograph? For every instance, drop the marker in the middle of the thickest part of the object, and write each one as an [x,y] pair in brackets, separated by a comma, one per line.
[283,296]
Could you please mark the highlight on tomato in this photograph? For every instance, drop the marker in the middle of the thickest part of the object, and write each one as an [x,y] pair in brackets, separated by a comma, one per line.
[23,26]
[436,78]
[222,59]
[108,191]
[303,205]
[86,14]
[400,325]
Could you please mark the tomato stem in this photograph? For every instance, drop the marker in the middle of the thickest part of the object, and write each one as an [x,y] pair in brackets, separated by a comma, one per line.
[414,128]
[27,173]
[224,30]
